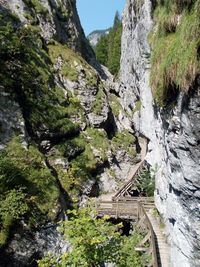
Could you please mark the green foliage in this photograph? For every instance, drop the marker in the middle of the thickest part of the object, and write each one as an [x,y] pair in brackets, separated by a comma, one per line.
[111,172]
[138,5]
[114,50]
[62,11]
[114,104]
[37,6]
[137,107]
[77,143]
[108,51]
[83,163]
[27,73]
[70,59]
[128,256]
[93,241]
[175,58]
[124,140]
[86,163]
[27,186]
[98,103]
[99,140]
[96,241]
[102,50]
[14,204]
[146,183]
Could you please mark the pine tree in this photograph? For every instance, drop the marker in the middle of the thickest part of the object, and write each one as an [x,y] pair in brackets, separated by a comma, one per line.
[108,49]
[102,50]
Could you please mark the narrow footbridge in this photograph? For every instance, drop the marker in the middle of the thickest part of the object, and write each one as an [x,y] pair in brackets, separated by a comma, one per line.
[141,210]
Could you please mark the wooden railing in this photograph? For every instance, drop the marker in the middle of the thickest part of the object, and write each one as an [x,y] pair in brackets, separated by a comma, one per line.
[127,185]
[143,219]
[133,209]
[117,209]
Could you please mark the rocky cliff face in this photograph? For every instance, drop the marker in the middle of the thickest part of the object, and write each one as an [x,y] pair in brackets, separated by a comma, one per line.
[173,134]
[69,132]
[95,36]
[64,134]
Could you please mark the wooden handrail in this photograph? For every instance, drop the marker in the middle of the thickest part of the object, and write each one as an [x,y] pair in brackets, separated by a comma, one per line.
[130,181]
[141,213]
[135,208]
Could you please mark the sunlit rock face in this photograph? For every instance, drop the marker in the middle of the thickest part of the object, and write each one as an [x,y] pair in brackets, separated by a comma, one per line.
[95,36]
[83,99]
[173,134]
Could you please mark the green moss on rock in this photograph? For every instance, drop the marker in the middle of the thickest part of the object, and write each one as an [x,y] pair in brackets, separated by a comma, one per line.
[70,60]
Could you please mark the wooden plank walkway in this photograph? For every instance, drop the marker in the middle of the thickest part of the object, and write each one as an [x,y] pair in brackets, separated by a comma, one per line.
[163,249]
[115,209]
[140,209]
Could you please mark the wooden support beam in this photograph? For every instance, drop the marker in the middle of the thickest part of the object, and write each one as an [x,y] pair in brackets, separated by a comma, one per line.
[145,239]
[141,221]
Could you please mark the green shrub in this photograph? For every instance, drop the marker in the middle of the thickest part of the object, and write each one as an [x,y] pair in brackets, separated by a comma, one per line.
[99,140]
[97,105]
[114,104]
[37,6]
[93,241]
[124,140]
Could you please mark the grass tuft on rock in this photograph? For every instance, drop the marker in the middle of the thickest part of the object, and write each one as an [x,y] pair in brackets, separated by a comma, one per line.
[175,44]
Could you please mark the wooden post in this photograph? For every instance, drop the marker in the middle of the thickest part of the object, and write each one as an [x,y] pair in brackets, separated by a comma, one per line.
[117,209]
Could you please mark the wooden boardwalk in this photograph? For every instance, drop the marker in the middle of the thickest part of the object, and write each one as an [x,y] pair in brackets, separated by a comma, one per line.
[161,245]
[140,209]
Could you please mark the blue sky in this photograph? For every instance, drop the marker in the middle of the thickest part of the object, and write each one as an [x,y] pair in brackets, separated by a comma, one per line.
[98,14]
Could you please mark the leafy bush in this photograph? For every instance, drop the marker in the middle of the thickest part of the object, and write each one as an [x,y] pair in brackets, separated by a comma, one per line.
[95,241]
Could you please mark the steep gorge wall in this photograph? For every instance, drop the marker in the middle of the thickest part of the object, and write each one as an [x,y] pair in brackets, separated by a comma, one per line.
[64,136]
[173,134]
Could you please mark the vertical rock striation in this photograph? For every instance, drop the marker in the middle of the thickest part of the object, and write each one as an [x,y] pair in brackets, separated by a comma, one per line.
[173,134]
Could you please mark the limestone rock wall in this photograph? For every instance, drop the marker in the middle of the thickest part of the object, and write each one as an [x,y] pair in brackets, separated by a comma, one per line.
[173,134]
[78,121]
